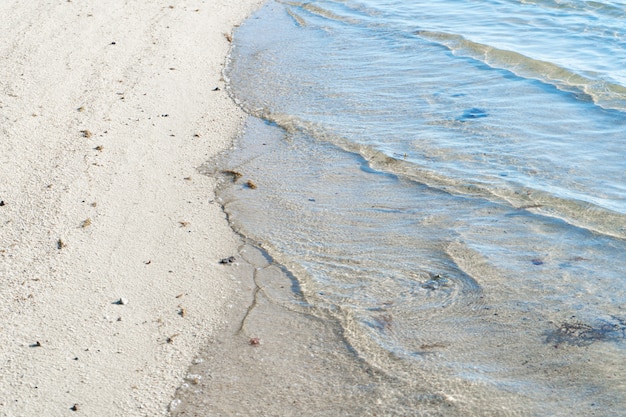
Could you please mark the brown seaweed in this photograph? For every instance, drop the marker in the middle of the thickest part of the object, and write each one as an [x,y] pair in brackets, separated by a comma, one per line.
[578,333]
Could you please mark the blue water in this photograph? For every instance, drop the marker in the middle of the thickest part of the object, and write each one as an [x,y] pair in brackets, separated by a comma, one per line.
[447,181]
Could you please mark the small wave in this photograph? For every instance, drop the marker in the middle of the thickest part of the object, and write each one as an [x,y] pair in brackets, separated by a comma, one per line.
[599,8]
[578,213]
[320,11]
[299,19]
[603,93]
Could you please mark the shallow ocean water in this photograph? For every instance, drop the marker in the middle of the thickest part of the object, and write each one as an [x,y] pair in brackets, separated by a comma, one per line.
[439,193]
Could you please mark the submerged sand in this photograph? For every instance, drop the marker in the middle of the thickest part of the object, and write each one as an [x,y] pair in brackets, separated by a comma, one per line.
[109,237]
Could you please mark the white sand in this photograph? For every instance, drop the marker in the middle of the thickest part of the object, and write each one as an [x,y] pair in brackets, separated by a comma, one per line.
[132,216]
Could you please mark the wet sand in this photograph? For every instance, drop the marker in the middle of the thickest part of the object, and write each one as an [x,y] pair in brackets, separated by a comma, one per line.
[110,239]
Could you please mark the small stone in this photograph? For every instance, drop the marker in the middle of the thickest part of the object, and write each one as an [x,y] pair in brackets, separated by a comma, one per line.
[122,301]
[255,341]
[74,407]
[228,260]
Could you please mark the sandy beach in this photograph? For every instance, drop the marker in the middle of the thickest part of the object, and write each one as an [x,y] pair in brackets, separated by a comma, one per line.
[110,238]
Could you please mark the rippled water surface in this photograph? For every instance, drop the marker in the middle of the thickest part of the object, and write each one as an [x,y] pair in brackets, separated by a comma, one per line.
[441,189]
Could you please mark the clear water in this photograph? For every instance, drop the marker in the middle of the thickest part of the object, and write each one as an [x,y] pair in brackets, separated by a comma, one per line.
[445,183]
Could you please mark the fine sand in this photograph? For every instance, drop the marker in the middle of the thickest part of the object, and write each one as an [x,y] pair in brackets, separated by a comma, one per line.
[109,236]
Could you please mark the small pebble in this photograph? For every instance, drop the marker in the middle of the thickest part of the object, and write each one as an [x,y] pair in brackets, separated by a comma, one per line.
[122,301]
[228,260]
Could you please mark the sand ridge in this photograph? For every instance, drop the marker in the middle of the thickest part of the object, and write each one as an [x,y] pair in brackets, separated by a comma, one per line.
[109,237]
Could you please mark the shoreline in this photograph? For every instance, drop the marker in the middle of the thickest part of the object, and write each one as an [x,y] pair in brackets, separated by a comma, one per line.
[111,240]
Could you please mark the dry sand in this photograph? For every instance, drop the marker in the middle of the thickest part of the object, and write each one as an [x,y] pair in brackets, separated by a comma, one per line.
[106,110]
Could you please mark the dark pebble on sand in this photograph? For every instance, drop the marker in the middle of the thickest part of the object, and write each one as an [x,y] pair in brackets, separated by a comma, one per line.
[121,302]
[228,260]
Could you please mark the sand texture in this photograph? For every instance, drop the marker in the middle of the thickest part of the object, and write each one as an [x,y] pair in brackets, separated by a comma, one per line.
[109,236]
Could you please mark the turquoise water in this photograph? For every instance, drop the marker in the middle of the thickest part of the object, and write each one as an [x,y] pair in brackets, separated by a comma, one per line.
[445,182]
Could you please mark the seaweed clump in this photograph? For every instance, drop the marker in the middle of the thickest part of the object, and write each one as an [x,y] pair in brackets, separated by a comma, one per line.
[233,174]
[577,333]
